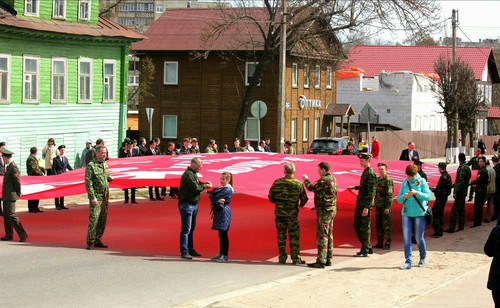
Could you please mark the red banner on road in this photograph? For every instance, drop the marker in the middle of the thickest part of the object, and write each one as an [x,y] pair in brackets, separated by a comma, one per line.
[253,173]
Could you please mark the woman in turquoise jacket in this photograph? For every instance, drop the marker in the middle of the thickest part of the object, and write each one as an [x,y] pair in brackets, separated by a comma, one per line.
[413,216]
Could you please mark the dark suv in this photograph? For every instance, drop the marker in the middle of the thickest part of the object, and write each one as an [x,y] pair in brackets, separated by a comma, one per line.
[328,146]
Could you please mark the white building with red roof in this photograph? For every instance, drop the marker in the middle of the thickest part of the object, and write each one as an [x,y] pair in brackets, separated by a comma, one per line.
[394,81]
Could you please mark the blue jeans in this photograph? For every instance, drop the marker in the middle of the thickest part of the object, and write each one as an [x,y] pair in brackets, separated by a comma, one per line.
[188,224]
[419,224]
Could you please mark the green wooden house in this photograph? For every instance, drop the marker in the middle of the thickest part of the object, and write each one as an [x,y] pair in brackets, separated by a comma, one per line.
[63,74]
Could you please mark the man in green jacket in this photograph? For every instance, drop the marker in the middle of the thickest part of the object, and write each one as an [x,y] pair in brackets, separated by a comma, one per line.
[481,183]
[189,196]
[383,208]
[364,203]
[32,168]
[11,191]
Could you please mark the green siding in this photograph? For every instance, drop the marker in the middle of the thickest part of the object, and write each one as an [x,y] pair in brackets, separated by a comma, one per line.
[45,10]
[46,50]
[24,126]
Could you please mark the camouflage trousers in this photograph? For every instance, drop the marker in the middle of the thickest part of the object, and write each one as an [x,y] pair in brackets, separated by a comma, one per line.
[438,213]
[362,228]
[324,233]
[458,212]
[383,224]
[98,215]
[288,225]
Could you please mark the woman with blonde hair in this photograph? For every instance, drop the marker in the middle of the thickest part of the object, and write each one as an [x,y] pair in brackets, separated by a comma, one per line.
[50,151]
[414,194]
[220,198]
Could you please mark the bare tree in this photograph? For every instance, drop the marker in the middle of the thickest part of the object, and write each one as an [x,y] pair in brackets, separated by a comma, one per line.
[313,29]
[457,94]
[421,38]
[107,8]
[146,78]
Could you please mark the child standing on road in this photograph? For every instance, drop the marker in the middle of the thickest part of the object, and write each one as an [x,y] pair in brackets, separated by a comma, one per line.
[220,198]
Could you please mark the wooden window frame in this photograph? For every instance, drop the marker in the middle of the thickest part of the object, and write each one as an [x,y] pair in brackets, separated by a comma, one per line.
[317,76]
[25,74]
[293,130]
[35,4]
[80,100]
[246,129]
[104,76]
[305,129]
[295,75]
[307,74]
[329,78]
[9,72]
[54,16]
[165,82]
[163,126]
[80,11]
[65,99]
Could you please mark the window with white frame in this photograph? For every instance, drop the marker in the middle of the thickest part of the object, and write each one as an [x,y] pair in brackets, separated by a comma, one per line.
[59,80]
[252,129]
[59,9]
[305,129]
[318,76]
[295,75]
[109,80]
[170,72]
[249,71]
[293,132]
[31,7]
[85,80]
[328,77]
[133,81]
[84,7]
[159,9]
[169,126]
[316,128]
[306,76]
[31,79]
[4,78]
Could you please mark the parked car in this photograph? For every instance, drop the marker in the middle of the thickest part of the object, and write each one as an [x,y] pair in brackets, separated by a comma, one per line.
[328,146]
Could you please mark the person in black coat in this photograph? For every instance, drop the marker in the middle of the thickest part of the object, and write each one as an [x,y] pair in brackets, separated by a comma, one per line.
[59,166]
[492,249]
[128,151]
[410,153]
[152,151]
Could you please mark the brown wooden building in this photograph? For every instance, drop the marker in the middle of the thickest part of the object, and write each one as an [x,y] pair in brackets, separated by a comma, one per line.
[202,97]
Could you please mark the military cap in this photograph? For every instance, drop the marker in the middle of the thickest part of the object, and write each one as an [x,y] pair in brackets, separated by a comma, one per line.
[442,165]
[364,155]
[495,159]
[6,152]
[194,140]
[211,141]
[62,146]
[185,139]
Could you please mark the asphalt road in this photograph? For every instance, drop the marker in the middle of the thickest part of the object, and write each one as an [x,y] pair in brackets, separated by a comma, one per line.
[35,276]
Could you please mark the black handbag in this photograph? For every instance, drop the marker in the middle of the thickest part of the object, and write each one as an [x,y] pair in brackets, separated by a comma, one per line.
[429,217]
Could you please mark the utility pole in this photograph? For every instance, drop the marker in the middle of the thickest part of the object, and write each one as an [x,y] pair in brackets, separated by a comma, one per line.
[454,147]
[282,85]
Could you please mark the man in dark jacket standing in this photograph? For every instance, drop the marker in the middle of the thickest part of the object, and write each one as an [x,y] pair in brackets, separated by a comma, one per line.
[441,191]
[492,249]
[459,194]
[11,191]
[189,196]
[33,169]
[59,166]
[481,183]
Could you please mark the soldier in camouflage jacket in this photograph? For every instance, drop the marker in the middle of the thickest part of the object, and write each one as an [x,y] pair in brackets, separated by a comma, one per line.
[325,199]
[97,178]
[383,208]
[32,168]
[288,194]
[364,203]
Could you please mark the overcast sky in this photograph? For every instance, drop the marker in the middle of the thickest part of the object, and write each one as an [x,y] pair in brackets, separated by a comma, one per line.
[478,19]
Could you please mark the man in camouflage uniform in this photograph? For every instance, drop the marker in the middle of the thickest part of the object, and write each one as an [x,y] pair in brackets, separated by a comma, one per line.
[325,200]
[11,191]
[364,202]
[186,146]
[237,147]
[289,149]
[474,164]
[97,178]
[212,147]
[286,193]
[459,194]
[350,150]
[383,208]
[32,168]
[481,183]
[441,191]
[195,149]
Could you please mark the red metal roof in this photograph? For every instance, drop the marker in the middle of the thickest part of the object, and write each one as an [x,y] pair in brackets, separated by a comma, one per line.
[417,59]
[180,29]
[494,113]
[105,27]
